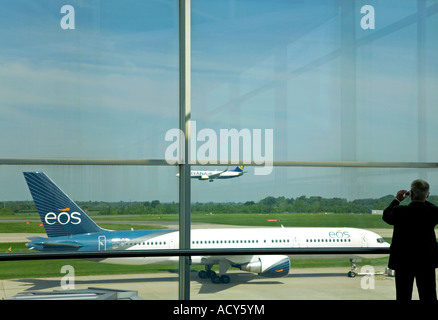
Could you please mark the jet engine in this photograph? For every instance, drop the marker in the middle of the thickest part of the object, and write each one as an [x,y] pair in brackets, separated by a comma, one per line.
[268,266]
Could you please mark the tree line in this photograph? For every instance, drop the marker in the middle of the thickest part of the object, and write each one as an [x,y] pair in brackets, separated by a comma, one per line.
[270,204]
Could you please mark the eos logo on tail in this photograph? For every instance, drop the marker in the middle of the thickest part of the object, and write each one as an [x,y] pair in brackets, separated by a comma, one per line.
[63,218]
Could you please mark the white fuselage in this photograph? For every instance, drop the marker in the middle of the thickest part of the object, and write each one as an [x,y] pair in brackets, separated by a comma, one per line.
[205,175]
[229,238]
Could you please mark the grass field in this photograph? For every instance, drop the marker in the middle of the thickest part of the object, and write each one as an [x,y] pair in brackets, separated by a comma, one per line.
[287,220]
[51,268]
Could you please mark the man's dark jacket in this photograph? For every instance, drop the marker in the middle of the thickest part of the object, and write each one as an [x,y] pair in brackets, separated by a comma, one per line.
[413,241]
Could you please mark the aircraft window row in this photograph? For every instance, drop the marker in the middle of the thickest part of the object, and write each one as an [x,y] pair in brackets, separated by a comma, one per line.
[328,240]
[152,243]
[223,241]
[280,241]
[237,241]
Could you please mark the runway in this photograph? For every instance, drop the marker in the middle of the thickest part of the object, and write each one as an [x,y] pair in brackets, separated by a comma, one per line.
[300,284]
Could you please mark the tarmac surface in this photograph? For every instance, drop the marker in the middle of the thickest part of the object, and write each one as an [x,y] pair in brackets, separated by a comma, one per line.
[300,284]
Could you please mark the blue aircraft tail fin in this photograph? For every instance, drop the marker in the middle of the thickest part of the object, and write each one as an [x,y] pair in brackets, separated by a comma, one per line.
[238,169]
[60,215]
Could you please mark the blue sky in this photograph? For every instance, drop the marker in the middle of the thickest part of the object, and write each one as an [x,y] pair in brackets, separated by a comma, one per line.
[109,89]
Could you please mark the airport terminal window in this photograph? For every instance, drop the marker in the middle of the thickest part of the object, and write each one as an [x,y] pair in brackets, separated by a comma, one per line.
[327,77]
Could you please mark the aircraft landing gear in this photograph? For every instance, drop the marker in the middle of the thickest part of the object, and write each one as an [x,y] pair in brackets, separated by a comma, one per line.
[352,273]
[220,279]
[210,274]
[368,271]
[207,274]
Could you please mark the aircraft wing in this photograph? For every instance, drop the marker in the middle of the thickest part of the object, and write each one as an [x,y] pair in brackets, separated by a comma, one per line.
[214,176]
[224,260]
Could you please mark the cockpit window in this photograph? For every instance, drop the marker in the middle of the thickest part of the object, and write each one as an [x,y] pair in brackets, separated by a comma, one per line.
[381,240]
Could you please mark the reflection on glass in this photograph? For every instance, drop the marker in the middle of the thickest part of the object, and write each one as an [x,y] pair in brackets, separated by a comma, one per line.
[105,89]
[335,80]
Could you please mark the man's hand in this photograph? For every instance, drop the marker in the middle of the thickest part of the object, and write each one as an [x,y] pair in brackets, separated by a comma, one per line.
[401,195]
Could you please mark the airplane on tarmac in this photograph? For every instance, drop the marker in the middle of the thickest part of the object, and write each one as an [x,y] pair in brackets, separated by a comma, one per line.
[216,174]
[69,228]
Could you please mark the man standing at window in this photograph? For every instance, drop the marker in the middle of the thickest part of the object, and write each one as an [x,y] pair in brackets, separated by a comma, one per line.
[414,250]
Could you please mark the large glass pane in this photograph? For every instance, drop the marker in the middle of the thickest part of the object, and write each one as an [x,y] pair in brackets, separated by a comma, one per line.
[335,80]
[92,80]
[136,203]
[88,80]
[300,208]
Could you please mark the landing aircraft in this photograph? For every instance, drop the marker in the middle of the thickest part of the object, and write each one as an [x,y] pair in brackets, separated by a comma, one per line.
[69,228]
[216,174]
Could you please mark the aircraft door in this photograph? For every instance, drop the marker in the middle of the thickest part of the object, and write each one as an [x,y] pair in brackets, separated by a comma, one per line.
[364,241]
[295,242]
[101,243]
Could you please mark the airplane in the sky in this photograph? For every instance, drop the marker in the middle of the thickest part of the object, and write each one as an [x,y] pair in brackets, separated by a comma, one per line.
[69,228]
[216,174]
